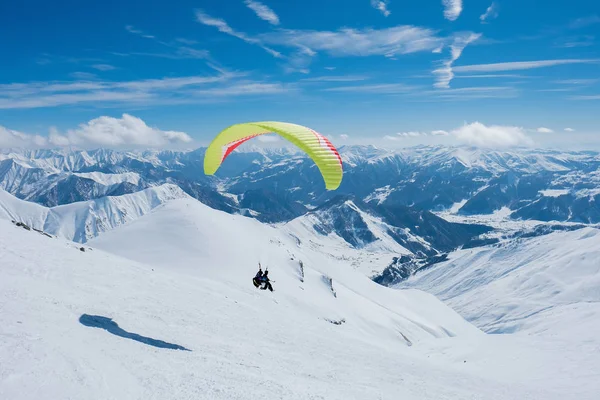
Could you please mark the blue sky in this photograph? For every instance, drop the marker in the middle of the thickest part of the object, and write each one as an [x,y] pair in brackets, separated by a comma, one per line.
[364,71]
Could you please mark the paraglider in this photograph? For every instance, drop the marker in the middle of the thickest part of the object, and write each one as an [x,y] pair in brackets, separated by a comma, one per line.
[315,145]
[262,279]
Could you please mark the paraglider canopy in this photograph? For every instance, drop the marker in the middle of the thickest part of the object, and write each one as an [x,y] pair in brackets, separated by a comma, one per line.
[315,145]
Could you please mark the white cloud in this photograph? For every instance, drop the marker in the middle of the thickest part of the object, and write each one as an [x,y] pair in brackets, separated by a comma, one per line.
[404,39]
[490,13]
[444,73]
[56,139]
[480,135]
[439,133]
[411,134]
[125,132]
[381,5]
[392,138]
[544,130]
[10,138]
[103,67]
[569,130]
[343,136]
[268,138]
[520,65]
[452,9]
[263,12]
[223,27]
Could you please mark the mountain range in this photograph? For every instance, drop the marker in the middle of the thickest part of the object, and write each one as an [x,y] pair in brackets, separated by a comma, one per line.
[275,185]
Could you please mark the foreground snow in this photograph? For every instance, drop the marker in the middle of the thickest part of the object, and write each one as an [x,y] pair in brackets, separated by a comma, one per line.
[194,292]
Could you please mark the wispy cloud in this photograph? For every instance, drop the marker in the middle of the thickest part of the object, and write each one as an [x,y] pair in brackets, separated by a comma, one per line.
[521,65]
[404,39]
[223,27]
[439,133]
[104,67]
[138,32]
[586,97]
[246,89]
[177,53]
[490,13]
[390,137]
[263,12]
[143,92]
[178,49]
[300,60]
[189,42]
[480,135]
[85,76]
[491,76]
[544,130]
[343,136]
[470,93]
[569,130]
[444,73]
[337,78]
[411,134]
[576,41]
[383,88]
[585,21]
[452,9]
[577,81]
[382,6]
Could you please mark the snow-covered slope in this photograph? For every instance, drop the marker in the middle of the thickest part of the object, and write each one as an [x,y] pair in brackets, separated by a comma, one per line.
[187,236]
[84,220]
[93,325]
[548,285]
[345,232]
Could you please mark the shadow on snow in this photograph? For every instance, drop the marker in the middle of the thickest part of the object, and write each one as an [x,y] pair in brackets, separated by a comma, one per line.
[96,321]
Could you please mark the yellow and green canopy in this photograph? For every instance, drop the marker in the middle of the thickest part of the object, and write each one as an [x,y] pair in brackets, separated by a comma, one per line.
[315,145]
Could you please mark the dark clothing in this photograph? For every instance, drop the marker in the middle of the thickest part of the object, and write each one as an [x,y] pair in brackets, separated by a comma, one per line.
[267,285]
[262,279]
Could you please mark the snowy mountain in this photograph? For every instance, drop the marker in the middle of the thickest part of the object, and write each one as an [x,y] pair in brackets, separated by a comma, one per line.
[276,185]
[544,286]
[384,227]
[82,221]
[178,318]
